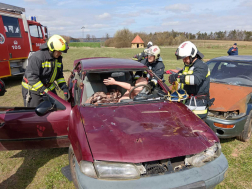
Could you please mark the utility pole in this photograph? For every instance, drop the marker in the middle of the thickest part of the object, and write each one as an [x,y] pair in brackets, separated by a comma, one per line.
[83,33]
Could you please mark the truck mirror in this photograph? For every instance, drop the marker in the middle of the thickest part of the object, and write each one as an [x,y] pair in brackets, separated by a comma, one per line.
[46,32]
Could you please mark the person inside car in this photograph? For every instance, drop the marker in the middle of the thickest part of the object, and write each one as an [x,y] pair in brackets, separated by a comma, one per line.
[127,86]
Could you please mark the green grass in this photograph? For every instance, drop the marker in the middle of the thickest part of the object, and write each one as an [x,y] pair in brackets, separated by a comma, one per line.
[41,168]
[85,44]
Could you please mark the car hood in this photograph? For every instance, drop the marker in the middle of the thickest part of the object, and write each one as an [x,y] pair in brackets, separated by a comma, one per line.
[145,132]
[229,97]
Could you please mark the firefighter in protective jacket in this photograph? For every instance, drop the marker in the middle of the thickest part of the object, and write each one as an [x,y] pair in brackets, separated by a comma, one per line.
[44,68]
[194,78]
[155,64]
[139,57]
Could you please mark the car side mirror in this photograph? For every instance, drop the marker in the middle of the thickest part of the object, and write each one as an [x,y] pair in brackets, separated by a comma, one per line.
[43,108]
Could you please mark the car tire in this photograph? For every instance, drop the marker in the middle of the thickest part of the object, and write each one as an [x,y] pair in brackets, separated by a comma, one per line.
[246,133]
[72,160]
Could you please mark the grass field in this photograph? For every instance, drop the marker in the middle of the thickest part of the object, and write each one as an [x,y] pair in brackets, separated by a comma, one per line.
[41,168]
[85,44]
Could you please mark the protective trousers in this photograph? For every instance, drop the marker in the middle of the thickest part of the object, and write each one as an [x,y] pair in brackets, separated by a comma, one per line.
[34,100]
[197,106]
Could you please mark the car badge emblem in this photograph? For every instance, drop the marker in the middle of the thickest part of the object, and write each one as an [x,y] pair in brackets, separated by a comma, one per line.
[15,42]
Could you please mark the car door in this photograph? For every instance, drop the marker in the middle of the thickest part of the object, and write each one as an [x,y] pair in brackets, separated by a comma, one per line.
[21,128]
[37,37]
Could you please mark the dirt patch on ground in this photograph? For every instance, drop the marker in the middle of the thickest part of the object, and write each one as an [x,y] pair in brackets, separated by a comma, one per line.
[240,148]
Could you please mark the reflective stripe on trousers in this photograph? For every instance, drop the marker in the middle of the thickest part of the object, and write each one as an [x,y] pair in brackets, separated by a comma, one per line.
[29,87]
[197,109]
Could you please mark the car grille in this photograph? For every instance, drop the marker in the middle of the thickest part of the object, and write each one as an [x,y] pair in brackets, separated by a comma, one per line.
[164,166]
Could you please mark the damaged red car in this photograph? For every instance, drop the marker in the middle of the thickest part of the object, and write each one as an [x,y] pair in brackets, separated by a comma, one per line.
[143,141]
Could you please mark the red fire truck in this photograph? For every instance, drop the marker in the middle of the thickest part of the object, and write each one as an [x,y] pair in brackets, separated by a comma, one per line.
[19,38]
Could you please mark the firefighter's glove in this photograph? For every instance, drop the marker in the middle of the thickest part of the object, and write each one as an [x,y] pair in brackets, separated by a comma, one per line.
[2,88]
[66,94]
[181,78]
[173,78]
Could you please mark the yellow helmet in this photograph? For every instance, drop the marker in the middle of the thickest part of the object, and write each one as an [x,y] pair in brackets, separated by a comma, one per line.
[57,43]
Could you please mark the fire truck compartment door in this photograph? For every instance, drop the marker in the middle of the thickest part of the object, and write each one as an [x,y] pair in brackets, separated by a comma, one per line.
[4,55]
[16,37]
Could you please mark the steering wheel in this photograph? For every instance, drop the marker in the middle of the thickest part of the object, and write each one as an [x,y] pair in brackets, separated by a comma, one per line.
[148,88]
[244,76]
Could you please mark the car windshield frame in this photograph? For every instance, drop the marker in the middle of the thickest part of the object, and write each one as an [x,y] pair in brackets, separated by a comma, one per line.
[231,72]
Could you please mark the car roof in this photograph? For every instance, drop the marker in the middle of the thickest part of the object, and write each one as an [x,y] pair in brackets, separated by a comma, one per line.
[104,63]
[243,58]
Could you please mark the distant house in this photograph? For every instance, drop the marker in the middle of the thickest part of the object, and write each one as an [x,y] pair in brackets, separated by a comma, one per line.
[137,42]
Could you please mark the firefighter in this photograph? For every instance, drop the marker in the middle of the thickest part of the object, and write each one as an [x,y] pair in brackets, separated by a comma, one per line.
[44,68]
[153,62]
[139,57]
[194,78]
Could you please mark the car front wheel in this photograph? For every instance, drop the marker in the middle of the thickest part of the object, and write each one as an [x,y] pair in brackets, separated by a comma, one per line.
[246,133]
[72,162]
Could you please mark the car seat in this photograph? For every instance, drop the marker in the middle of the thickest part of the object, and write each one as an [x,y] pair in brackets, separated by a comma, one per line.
[93,83]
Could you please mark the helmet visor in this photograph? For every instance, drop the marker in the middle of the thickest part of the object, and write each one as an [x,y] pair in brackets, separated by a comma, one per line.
[178,56]
[67,47]
[149,52]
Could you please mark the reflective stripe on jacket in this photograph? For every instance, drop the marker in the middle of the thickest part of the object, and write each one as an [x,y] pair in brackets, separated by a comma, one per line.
[157,67]
[197,80]
[43,70]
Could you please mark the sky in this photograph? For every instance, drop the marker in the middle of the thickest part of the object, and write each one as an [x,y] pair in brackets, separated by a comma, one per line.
[99,17]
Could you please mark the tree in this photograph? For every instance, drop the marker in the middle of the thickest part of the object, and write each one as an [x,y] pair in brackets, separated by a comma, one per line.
[93,38]
[107,36]
[88,37]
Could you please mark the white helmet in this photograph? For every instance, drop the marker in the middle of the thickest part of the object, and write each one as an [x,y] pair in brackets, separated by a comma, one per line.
[186,49]
[154,51]
[149,44]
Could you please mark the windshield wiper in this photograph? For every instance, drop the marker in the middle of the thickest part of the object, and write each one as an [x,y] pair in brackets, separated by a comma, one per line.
[217,81]
[245,85]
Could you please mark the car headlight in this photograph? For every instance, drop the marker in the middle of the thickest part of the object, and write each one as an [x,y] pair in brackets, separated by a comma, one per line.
[200,159]
[87,168]
[118,171]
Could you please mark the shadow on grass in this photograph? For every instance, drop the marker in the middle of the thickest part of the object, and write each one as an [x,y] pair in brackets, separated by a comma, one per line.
[33,160]
[67,70]
[224,140]
[13,81]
